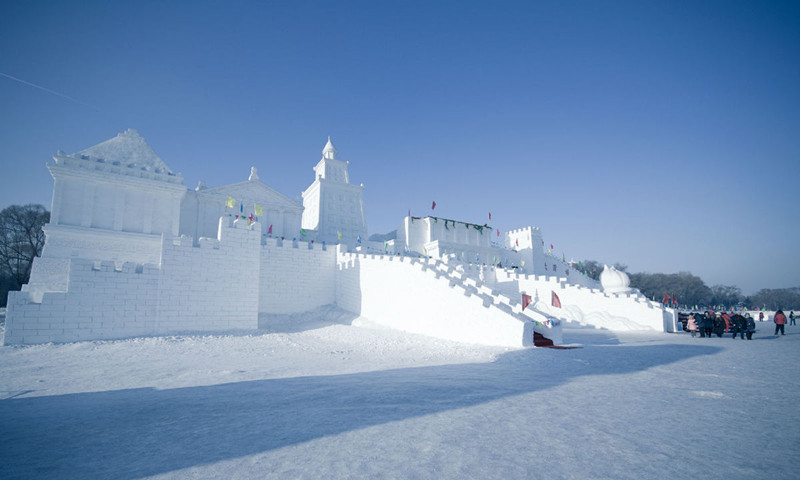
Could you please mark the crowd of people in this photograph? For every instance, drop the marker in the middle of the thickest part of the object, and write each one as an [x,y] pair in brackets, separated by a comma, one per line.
[710,323]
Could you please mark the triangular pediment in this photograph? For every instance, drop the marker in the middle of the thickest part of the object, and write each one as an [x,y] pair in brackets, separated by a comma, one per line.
[254,191]
[127,149]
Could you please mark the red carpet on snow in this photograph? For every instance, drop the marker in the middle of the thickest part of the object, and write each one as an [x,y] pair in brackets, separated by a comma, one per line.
[540,340]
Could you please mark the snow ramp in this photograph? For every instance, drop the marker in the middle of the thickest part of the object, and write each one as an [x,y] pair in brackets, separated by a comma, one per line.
[430,297]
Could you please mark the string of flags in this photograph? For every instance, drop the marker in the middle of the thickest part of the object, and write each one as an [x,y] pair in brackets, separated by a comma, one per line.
[452,223]
[257,211]
[548,323]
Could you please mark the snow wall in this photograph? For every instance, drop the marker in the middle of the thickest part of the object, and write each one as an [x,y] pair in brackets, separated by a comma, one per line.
[211,287]
[224,283]
[590,306]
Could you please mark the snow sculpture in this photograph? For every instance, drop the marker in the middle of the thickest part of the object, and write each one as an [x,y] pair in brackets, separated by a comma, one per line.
[614,281]
[131,251]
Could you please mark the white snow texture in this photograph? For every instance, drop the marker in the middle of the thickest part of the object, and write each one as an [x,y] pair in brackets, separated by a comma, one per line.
[327,395]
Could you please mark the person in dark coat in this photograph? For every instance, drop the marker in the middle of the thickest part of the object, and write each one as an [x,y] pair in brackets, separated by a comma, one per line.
[750,326]
[738,325]
[780,321]
[706,325]
[719,326]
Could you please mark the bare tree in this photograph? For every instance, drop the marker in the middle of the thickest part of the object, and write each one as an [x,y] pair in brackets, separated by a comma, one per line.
[726,295]
[21,240]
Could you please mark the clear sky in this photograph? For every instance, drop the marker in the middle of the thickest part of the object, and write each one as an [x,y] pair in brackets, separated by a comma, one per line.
[663,135]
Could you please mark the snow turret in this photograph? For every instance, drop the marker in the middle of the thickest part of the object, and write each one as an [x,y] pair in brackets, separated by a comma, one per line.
[329,152]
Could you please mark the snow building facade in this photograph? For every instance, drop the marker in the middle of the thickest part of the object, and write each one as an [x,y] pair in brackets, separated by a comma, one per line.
[130,251]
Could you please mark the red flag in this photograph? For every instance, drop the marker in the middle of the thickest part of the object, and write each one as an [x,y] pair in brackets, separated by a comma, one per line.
[556,301]
[551,246]
[270,229]
[433,205]
[666,298]
[526,300]
[674,300]
[490,216]
[498,232]
[409,212]
[518,242]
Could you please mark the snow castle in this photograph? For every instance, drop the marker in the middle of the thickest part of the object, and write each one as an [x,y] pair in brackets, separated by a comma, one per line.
[130,251]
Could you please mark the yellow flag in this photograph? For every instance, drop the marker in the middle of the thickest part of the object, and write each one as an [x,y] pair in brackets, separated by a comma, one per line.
[230,202]
[339,235]
[259,210]
[522,263]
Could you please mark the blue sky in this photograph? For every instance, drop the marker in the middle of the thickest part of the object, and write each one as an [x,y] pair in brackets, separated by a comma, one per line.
[663,135]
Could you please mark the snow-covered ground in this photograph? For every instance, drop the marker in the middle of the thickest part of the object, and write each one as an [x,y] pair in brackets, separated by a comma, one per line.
[315,397]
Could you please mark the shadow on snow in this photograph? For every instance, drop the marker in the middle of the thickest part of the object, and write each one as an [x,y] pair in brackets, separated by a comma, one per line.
[131,433]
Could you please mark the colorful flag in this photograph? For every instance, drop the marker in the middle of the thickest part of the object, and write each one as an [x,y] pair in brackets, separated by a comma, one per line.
[339,235]
[490,216]
[563,257]
[522,263]
[241,207]
[666,299]
[498,232]
[433,205]
[517,242]
[270,229]
[230,202]
[551,246]
[358,239]
[556,301]
[258,209]
[526,300]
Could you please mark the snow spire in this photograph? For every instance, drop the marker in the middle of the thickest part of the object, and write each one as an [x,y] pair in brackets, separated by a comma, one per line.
[329,152]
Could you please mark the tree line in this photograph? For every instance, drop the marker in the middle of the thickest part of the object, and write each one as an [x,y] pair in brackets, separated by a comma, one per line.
[22,239]
[691,290]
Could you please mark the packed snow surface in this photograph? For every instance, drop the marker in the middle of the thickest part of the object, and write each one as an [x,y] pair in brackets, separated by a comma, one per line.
[325,395]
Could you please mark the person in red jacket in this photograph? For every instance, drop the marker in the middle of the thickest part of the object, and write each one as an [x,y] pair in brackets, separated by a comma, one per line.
[780,321]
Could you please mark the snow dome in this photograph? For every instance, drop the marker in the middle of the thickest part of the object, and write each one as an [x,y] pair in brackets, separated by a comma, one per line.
[614,281]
